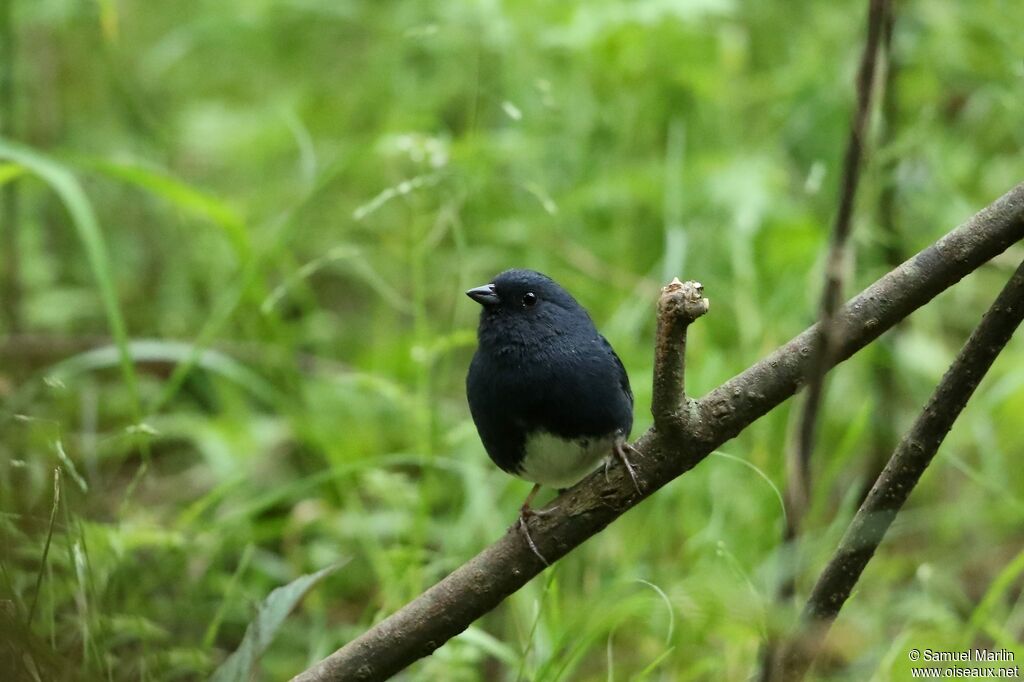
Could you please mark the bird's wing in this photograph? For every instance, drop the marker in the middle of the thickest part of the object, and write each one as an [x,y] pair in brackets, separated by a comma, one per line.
[623,377]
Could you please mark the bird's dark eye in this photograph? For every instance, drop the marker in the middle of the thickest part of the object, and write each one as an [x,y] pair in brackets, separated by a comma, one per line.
[529,299]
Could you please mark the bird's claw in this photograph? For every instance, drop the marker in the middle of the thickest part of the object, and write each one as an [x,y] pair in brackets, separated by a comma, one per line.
[620,449]
[524,514]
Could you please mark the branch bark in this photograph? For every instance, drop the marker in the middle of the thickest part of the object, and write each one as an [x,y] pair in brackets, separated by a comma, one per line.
[901,474]
[450,606]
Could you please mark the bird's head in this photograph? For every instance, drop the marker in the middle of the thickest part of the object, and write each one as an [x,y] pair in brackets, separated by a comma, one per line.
[524,293]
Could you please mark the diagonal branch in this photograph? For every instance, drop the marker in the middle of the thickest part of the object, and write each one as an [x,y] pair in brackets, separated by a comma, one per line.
[476,587]
[901,474]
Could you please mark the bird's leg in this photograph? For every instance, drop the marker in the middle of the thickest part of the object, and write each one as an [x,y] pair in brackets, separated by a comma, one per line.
[525,512]
[621,449]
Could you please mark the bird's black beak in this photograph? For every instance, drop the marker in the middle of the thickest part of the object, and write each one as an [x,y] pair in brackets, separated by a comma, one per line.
[484,295]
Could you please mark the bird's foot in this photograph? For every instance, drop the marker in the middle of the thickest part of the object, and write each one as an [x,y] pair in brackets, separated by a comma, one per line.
[621,450]
[525,512]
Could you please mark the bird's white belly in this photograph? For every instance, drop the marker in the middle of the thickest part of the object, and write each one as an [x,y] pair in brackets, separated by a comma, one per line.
[558,462]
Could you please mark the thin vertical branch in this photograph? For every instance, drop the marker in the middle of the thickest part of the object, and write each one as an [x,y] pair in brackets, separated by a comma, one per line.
[892,247]
[884,432]
[902,473]
[10,286]
[799,485]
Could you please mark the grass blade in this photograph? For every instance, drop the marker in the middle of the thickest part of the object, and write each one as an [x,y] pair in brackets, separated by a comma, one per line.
[183,196]
[264,627]
[77,204]
[46,547]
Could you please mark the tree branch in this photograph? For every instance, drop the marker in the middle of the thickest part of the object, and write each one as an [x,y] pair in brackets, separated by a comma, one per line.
[901,474]
[884,432]
[448,608]
[798,488]
[798,458]
[680,304]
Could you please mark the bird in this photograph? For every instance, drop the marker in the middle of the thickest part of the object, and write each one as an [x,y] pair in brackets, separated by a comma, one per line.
[549,396]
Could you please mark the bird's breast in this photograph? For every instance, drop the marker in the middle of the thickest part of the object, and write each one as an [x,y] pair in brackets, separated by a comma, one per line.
[560,462]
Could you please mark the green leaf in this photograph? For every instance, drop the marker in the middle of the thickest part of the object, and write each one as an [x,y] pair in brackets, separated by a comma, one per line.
[157,350]
[261,631]
[9,172]
[995,596]
[77,204]
[183,196]
[490,645]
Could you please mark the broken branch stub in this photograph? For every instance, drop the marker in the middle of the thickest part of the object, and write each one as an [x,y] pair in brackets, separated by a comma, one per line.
[679,305]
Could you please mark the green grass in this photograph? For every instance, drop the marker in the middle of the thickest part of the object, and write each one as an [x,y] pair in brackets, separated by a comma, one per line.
[244,234]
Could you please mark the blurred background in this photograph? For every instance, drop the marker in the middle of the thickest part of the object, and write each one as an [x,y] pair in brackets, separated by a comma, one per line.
[235,240]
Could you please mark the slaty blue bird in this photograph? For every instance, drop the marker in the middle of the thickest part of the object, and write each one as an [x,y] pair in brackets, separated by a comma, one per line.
[549,396]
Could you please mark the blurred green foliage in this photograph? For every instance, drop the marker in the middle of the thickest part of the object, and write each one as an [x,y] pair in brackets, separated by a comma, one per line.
[283,202]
